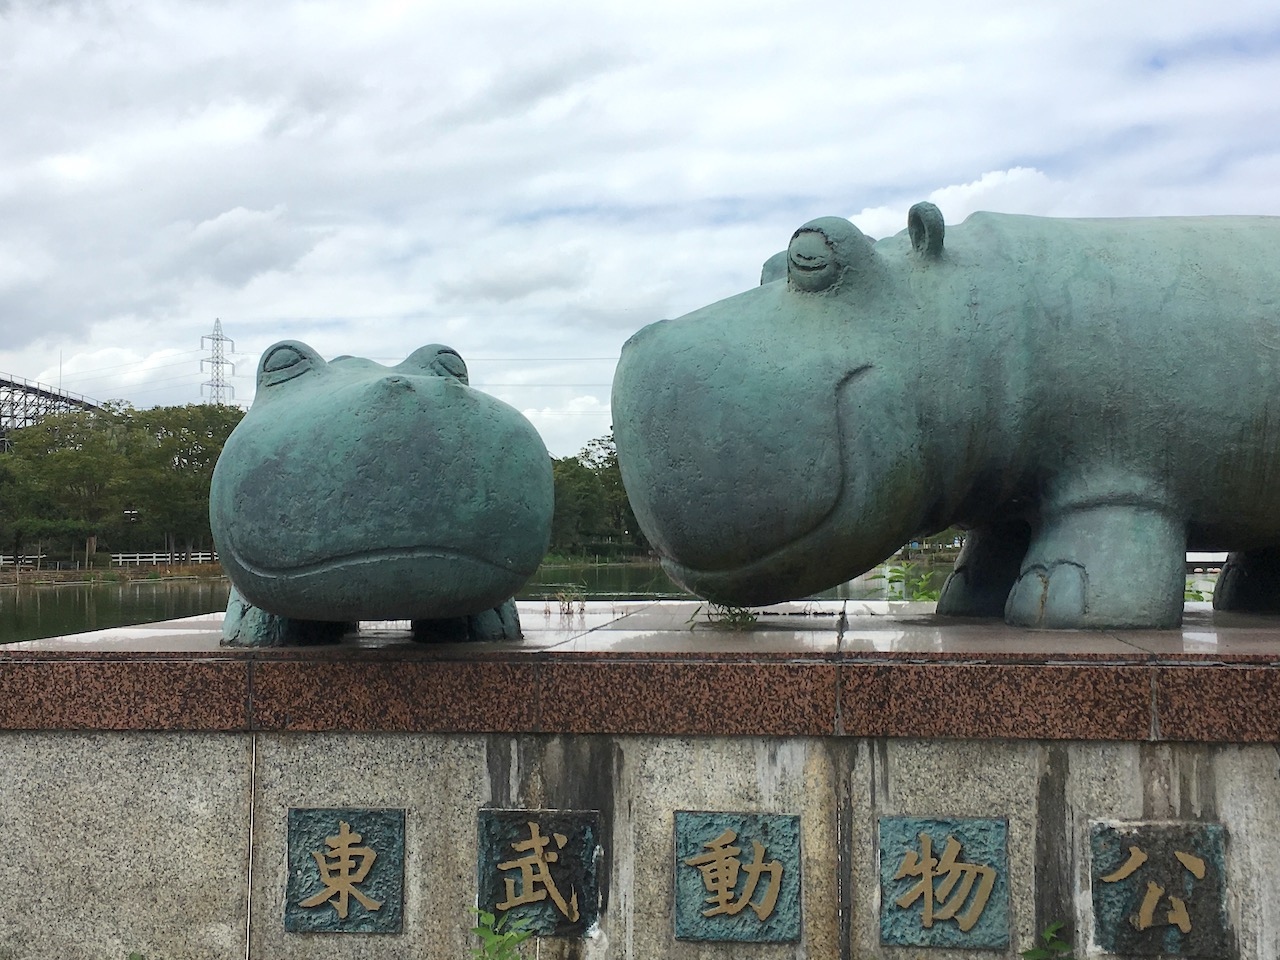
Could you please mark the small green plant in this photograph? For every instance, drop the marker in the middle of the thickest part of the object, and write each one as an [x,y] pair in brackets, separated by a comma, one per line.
[498,939]
[908,580]
[1192,592]
[723,615]
[572,598]
[1049,946]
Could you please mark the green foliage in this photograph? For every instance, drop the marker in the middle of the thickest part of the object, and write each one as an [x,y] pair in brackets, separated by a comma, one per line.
[119,477]
[572,598]
[1050,946]
[723,615]
[593,514]
[1192,592]
[498,939]
[909,580]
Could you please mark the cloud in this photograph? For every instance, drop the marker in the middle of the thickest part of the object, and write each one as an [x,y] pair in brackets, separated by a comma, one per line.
[372,177]
[238,245]
[561,426]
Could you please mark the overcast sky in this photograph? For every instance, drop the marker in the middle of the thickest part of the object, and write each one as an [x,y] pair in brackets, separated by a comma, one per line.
[531,182]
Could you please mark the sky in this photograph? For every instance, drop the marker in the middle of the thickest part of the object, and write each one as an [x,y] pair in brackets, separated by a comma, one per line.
[532,182]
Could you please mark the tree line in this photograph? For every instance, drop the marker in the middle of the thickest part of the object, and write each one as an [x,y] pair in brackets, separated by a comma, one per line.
[123,480]
[593,517]
[118,479]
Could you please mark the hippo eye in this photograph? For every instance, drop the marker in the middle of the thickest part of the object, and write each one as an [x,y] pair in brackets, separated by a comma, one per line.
[811,262]
[449,364]
[284,362]
[439,360]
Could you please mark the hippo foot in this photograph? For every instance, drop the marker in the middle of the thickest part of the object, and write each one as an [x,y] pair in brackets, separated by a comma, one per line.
[248,626]
[1110,565]
[985,571]
[498,623]
[1249,582]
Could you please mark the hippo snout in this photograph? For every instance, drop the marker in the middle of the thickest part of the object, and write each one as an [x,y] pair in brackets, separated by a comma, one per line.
[720,473]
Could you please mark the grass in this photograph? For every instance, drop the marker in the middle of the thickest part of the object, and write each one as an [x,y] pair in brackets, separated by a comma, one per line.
[723,615]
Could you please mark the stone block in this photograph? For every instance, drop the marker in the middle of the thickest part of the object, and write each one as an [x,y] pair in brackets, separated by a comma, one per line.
[346,871]
[541,868]
[1159,889]
[944,882]
[737,877]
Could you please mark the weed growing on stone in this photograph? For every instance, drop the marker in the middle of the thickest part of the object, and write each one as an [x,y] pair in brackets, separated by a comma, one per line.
[572,598]
[723,615]
[1050,945]
[497,943]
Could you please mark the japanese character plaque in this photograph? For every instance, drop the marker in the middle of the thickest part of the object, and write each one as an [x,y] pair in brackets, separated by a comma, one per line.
[346,871]
[541,867]
[737,876]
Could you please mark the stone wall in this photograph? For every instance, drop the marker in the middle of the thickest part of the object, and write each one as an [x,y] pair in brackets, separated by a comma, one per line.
[150,796]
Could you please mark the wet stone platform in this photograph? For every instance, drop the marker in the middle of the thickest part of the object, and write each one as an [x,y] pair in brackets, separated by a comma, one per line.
[833,668]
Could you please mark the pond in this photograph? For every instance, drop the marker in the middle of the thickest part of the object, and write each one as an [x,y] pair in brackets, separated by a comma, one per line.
[50,610]
[55,609]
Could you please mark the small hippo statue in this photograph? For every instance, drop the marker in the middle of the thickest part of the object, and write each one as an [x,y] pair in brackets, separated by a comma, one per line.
[353,491]
[1088,398]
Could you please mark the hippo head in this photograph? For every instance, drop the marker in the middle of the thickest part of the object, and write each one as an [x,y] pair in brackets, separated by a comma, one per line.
[354,491]
[768,442]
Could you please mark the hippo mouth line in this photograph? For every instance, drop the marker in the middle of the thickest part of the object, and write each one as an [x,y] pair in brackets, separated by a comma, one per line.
[364,557]
[815,531]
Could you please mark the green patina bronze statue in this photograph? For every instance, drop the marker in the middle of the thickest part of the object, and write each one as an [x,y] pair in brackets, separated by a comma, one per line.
[353,491]
[1089,398]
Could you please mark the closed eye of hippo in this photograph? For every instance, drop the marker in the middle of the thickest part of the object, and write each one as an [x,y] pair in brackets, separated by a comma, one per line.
[812,261]
[439,360]
[284,362]
[823,252]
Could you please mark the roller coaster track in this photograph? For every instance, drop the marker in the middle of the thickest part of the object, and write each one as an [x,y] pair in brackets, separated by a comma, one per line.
[24,402]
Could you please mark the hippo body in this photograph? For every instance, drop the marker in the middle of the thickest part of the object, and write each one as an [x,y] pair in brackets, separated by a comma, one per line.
[354,491]
[1089,398]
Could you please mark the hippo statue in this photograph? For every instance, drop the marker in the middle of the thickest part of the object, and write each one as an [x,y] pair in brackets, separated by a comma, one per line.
[353,491]
[1087,398]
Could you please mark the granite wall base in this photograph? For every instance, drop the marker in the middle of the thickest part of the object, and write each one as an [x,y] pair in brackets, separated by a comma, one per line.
[175,845]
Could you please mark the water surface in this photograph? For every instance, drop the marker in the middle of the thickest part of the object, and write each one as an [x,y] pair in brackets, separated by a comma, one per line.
[28,612]
[31,611]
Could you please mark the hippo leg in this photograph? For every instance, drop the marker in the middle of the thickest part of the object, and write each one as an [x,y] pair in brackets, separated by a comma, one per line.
[985,571]
[1249,582]
[248,626]
[1102,565]
[498,623]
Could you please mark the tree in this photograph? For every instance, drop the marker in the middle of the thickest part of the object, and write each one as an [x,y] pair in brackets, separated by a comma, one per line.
[580,504]
[601,456]
[592,509]
[173,452]
[127,476]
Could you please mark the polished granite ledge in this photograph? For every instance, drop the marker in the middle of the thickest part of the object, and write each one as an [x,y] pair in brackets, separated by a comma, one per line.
[833,668]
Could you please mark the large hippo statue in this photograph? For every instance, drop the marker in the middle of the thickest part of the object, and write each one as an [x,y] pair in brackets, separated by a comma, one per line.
[354,491]
[1089,398]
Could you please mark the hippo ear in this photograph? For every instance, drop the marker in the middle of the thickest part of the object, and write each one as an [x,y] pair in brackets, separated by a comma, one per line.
[924,224]
[285,361]
[823,252]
